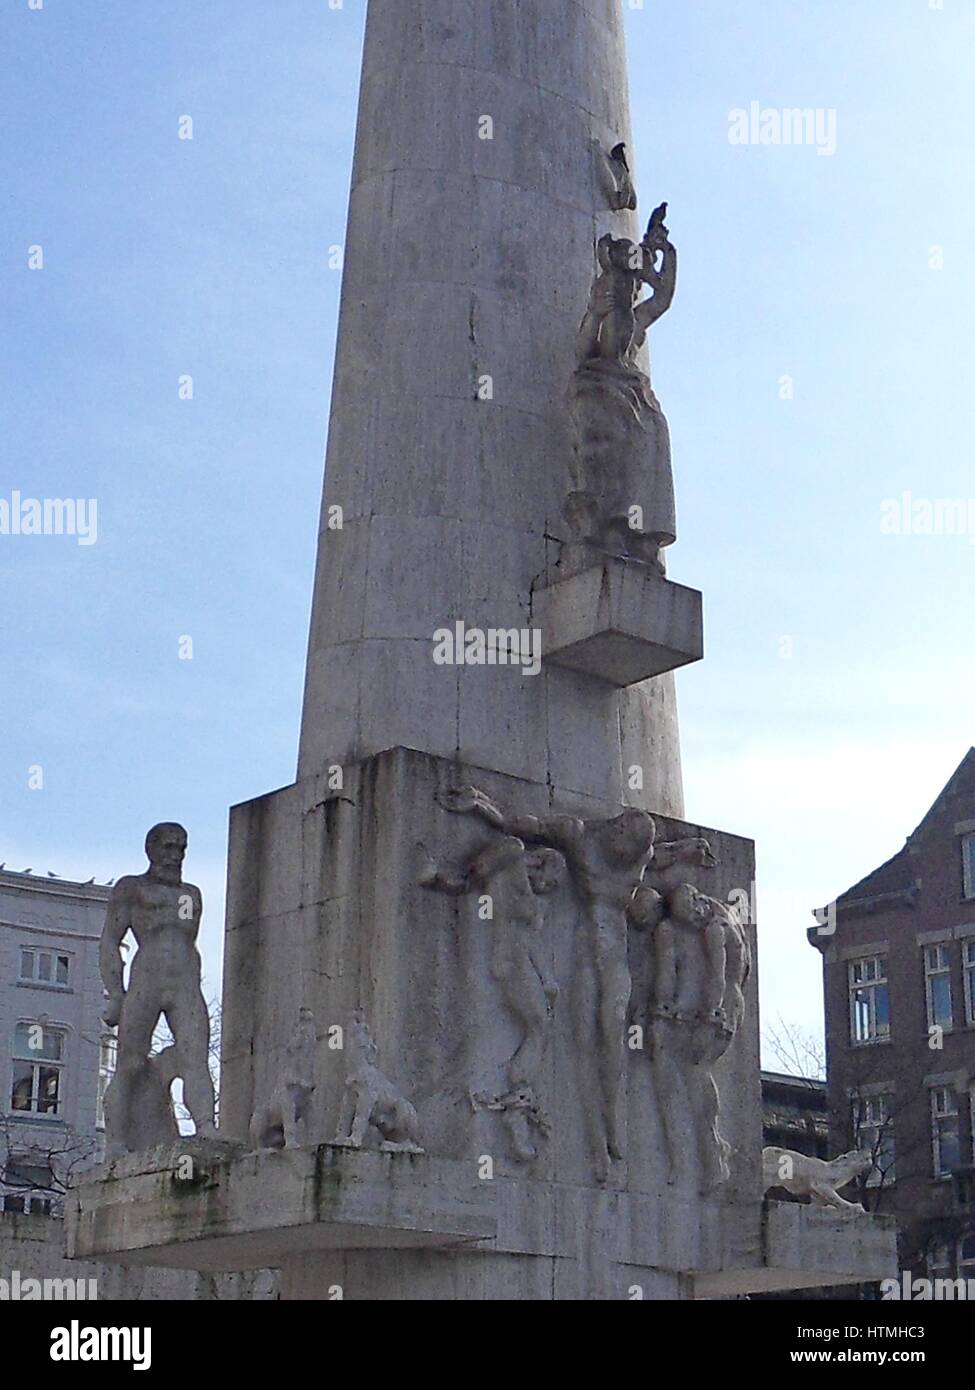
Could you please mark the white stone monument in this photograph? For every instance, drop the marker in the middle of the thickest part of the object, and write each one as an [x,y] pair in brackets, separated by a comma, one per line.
[536,1069]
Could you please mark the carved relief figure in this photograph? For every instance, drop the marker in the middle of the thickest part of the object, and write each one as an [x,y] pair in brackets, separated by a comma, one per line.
[163,913]
[616,321]
[702,961]
[607,861]
[623,497]
[815,1178]
[283,1122]
[516,880]
[372,1101]
[623,197]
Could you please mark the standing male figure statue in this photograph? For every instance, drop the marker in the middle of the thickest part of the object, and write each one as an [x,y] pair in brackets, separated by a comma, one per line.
[163,913]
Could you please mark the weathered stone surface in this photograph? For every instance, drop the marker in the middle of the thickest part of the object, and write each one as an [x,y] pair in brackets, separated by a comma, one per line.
[248,1211]
[333,915]
[455,460]
[368,1223]
[34,1247]
[283,1122]
[805,1248]
[620,622]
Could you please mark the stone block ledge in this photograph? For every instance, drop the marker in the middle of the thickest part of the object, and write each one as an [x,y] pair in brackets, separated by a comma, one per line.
[619,622]
[215,1207]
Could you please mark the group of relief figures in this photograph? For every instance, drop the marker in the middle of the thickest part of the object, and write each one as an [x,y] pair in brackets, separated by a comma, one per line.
[622,880]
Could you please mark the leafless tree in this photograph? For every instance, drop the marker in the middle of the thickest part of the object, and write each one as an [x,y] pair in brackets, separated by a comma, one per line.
[38,1172]
[798,1052]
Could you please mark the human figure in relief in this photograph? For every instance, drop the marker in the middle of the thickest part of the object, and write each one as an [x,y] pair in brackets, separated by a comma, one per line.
[617,320]
[517,881]
[702,961]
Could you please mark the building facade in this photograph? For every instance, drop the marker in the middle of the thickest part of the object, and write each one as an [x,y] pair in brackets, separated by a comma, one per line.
[898,954]
[57,1053]
[795,1113]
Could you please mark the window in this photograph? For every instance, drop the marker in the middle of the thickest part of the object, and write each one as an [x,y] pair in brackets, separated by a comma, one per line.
[939,1262]
[869,999]
[873,1129]
[38,1064]
[937,977]
[45,967]
[945,1130]
[966,1257]
[968,961]
[107,1055]
[968,864]
[27,1188]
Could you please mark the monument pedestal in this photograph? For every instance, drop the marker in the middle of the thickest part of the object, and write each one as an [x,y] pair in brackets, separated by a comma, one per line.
[331,907]
[327,910]
[412,1227]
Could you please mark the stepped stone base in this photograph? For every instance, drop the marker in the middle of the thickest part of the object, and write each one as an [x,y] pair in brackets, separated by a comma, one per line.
[331,908]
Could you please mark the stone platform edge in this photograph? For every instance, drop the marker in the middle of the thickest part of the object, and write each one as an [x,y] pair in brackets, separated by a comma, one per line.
[215,1207]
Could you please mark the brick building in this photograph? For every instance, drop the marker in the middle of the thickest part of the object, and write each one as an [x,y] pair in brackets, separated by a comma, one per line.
[899,985]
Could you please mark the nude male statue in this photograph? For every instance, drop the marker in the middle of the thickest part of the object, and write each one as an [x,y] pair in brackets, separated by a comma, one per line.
[607,860]
[163,913]
[517,880]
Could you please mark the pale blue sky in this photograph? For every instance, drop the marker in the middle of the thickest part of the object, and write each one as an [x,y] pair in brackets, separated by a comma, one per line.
[210,257]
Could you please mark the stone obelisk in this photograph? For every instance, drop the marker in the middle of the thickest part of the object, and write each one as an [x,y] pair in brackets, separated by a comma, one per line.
[479,193]
[490,1028]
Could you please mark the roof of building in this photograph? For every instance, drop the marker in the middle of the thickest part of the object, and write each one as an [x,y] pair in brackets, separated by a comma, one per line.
[51,885]
[788,1079]
[897,875]
[961,784]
